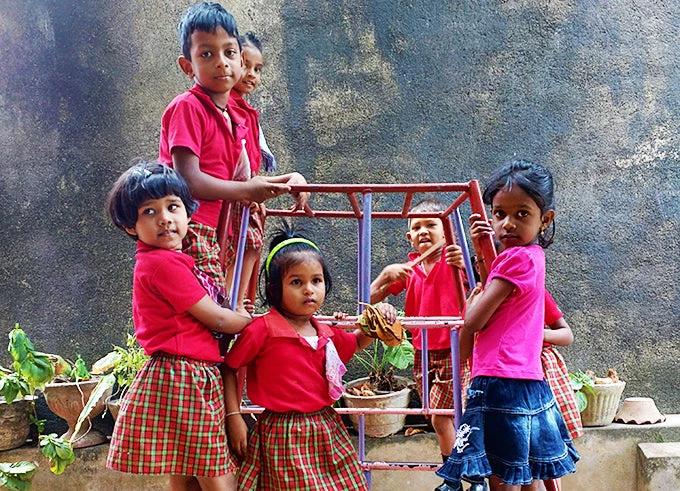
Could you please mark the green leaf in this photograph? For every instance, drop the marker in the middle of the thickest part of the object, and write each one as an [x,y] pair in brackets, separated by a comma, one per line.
[80,371]
[106,363]
[581,401]
[400,356]
[58,451]
[102,386]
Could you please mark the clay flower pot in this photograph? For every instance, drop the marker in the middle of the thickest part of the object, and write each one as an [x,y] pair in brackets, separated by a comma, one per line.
[640,411]
[602,404]
[378,425]
[14,422]
[67,400]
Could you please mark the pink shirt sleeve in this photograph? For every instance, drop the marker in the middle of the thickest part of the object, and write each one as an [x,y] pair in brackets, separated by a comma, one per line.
[516,266]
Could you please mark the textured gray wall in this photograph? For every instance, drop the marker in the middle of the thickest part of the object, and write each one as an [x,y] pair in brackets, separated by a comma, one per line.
[361,91]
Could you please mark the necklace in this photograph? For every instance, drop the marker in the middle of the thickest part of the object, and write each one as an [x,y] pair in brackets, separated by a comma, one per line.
[223,110]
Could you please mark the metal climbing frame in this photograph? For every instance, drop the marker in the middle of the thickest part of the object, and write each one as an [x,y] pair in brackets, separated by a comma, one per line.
[359,206]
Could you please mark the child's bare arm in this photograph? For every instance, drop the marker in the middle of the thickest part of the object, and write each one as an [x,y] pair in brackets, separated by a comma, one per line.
[237,430]
[218,318]
[559,333]
[479,228]
[205,186]
[301,199]
[389,274]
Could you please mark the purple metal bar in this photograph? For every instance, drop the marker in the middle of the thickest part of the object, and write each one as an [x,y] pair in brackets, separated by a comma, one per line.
[460,234]
[240,251]
[365,270]
[424,359]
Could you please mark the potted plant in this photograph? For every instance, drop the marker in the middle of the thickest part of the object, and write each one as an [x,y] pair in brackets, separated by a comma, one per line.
[597,398]
[381,388]
[123,364]
[32,371]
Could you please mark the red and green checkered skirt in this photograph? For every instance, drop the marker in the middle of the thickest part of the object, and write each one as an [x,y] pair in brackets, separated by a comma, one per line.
[171,421]
[254,235]
[298,451]
[201,244]
[439,376]
[557,375]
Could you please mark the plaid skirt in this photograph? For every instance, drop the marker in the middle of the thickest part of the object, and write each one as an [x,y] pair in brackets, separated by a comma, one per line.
[201,244]
[254,234]
[557,375]
[300,451]
[439,376]
[171,421]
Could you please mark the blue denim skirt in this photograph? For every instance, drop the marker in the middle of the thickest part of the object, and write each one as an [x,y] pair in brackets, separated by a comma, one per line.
[513,429]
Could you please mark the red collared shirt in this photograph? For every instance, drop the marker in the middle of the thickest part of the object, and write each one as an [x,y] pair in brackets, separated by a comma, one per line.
[240,106]
[193,121]
[284,372]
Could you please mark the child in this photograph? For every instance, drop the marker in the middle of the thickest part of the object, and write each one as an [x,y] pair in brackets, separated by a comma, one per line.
[430,291]
[556,333]
[512,430]
[201,137]
[253,63]
[172,419]
[295,367]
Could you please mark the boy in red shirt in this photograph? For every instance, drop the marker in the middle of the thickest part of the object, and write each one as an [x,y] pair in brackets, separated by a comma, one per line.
[430,291]
[201,136]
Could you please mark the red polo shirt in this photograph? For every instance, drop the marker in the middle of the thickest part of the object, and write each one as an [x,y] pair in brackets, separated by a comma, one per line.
[284,372]
[431,294]
[193,121]
[164,287]
[252,115]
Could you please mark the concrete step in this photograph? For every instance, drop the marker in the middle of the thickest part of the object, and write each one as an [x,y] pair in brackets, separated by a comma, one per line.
[658,466]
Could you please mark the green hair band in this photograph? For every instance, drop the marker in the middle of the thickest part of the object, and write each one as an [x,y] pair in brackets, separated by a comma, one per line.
[281,245]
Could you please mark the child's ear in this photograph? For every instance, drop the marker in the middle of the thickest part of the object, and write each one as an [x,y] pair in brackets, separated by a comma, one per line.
[131,231]
[408,236]
[547,219]
[185,65]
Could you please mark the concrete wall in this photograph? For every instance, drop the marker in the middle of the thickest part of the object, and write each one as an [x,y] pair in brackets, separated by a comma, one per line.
[361,91]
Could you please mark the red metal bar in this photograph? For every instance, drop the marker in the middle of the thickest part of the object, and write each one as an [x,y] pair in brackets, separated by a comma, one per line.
[407,205]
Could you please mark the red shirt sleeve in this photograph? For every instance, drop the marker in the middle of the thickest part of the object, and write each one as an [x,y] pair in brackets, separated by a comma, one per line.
[248,344]
[552,311]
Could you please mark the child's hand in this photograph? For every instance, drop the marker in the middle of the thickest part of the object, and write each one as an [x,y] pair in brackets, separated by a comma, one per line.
[237,434]
[261,189]
[388,312]
[255,207]
[454,256]
[301,199]
[248,306]
[396,272]
[479,228]
[339,316]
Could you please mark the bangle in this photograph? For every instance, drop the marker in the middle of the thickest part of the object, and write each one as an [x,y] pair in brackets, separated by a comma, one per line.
[232,413]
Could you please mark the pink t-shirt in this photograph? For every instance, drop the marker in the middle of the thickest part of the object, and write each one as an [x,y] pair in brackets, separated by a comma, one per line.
[284,372]
[193,121]
[164,287]
[510,344]
[431,294]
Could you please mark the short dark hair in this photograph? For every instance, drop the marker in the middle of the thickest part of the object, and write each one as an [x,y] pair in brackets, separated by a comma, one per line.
[283,259]
[206,17]
[249,39]
[141,182]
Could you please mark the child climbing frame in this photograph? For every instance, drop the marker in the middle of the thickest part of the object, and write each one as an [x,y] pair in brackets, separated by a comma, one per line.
[359,206]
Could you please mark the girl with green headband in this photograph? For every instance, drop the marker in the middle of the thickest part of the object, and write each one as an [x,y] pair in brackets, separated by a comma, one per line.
[294,370]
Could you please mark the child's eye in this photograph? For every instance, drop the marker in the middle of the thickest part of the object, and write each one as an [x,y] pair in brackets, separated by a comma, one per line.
[316,281]
[173,207]
[523,213]
[206,54]
[295,282]
[498,213]
[231,53]
[147,211]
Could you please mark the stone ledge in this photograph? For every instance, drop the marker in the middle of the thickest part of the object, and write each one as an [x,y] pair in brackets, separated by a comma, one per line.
[658,466]
[609,461]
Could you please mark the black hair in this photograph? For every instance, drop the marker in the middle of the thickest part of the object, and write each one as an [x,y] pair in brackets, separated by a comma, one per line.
[141,182]
[205,17]
[534,179]
[289,255]
[249,39]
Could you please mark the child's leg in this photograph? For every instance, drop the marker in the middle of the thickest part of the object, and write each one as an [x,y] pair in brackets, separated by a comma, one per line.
[250,257]
[496,484]
[446,433]
[184,483]
[227,482]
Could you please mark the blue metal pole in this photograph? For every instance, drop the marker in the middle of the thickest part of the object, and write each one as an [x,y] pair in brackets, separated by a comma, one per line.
[240,251]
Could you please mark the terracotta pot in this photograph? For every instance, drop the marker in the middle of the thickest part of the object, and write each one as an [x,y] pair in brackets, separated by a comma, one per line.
[603,404]
[14,422]
[113,405]
[67,400]
[379,425]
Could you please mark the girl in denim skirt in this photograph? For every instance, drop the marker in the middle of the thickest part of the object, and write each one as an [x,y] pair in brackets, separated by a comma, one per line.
[512,431]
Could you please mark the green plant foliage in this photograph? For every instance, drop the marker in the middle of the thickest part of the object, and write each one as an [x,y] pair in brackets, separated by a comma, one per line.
[124,363]
[35,367]
[17,475]
[12,386]
[581,383]
[58,451]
